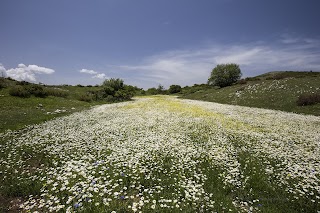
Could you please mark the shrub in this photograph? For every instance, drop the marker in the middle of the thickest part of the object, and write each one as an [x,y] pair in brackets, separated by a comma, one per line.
[19,91]
[122,95]
[308,99]
[174,89]
[38,91]
[224,75]
[96,95]
[23,83]
[3,83]
[85,97]
[115,84]
[107,90]
[110,98]
[252,79]
[242,81]
[57,92]
[152,91]
[160,89]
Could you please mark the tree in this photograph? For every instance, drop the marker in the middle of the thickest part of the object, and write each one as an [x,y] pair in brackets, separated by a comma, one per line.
[174,89]
[152,91]
[115,84]
[160,89]
[224,75]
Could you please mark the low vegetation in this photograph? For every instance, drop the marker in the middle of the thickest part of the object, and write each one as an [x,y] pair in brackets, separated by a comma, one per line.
[161,154]
[23,103]
[308,99]
[287,91]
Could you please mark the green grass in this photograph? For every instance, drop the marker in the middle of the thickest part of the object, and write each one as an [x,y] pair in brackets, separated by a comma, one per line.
[17,112]
[182,152]
[275,90]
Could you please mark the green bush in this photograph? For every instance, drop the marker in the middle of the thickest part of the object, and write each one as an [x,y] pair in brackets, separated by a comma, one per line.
[224,75]
[86,97]
[109,98]
[242,81]
[38,91]
[22,83]
[174,89]
[122,95]
[107,90]
[19,91]
[57,92]
[252,79]
[3,83]
[96,95]
[115,84]
[308,99]
[152,91]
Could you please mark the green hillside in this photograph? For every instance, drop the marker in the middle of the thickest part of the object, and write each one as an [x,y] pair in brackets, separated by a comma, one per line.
[16,112]
[275,90]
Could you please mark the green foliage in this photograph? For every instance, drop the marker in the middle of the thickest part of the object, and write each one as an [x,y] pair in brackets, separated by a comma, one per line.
[156,91]
[38,91]
[107,90]
[86,97]
[224,75]
[242,81]
[308,99]
[152,91]
[23,83]
[114,83]
[160,89]
[3,83]
[57,92]
[280,94]
[114,90]
[19,91]
[195,88]
[174,89]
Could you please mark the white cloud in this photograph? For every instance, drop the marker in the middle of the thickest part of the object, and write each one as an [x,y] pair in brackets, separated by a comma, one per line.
[27,73]
[187,67]
[100,76]
[92,72]
[3,72]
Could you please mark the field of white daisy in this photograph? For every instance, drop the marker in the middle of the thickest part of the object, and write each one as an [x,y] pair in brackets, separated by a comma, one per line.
[163,154]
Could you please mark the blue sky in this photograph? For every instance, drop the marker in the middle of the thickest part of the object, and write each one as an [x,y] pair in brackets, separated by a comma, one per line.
[152,42]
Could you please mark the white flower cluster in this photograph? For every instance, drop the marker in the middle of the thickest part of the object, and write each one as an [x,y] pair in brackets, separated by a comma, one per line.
[164,154]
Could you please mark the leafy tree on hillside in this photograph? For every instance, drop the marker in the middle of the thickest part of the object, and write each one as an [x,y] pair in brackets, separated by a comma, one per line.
[224,75]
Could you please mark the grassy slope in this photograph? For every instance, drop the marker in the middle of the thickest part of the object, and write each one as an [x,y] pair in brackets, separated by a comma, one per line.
[17,112]
[267,91]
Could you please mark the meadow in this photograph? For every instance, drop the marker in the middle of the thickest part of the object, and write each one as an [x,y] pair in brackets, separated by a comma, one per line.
[163,154]
[273,90]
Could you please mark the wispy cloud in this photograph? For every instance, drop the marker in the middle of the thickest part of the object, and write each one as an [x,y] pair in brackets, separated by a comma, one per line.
[94,74]
[186,67]
[26,73]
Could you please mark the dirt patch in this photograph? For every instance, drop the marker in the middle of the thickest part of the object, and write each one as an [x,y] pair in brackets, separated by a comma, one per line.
[10,204]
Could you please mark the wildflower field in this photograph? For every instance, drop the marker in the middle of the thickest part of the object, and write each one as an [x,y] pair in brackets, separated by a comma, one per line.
[162,154]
